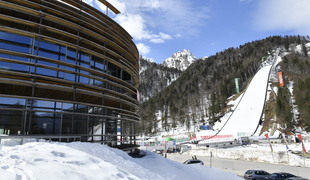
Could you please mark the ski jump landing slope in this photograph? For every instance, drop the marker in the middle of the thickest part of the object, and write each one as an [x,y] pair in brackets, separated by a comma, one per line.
[247,114]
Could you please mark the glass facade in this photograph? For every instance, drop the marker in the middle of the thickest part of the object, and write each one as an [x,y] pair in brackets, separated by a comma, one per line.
[53,87]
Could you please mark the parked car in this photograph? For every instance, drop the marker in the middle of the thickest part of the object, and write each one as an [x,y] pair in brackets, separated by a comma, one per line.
[296,178]
[193,161]
[254,174]
[278,176]
[158,151]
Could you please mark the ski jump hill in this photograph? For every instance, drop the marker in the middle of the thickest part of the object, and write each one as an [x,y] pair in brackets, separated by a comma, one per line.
[246,117]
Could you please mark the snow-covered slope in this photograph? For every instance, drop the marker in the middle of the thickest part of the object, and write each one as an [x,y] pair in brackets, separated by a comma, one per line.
[42,160]
[180,60]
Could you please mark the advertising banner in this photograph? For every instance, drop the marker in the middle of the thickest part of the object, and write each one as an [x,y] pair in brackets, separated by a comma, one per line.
[303,146]
[280,79]
[207,127]
[237,85]
[217,138]
[138,96]
[152,143]
[269,142]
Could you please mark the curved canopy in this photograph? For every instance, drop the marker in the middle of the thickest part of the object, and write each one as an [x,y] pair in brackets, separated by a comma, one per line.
[168,139]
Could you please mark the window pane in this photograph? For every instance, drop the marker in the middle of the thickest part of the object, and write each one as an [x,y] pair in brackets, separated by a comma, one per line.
[15,42]
[51,50]
[70,77]
[46,72]
[45,123]
[96,126]
[67,107]
[46,105]
[80,124]
[19,67]
[6,102]
[71,55]
[83,59]
[11,122]
[67,124]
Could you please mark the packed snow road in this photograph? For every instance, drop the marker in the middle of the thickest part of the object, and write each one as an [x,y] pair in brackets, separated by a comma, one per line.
[240,167]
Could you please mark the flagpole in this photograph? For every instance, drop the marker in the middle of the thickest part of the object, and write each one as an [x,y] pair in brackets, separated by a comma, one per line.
[270,148]
[288,159]
[273,157]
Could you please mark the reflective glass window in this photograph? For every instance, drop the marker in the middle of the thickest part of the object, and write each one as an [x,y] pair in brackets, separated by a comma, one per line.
[52,51]
[98,83]
[97,63]
[71,56]
[83,59]
[80,124]
[112,69]
[47,105]
[45,123]
[18,67]
[11,122]
[67,107]
[4,65]
[6,102]
[96,126]
[69,76]
[47,63]
[96,110]
[15,57]
[14,42]
[81,109]
[46,72]
[60,74]
[83,79]
[67,122]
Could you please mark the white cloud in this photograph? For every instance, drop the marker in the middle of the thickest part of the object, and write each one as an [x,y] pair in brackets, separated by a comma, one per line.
[289,15]
[135,25]
[246,1]
[157,40]
[177,35]
[143,49]
[165,36]
[155,20]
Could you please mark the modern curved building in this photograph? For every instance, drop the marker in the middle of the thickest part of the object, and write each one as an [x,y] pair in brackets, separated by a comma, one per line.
[66,69]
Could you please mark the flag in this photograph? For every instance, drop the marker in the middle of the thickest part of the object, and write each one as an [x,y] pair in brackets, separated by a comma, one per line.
[269,142]
[285,141]
[302,143]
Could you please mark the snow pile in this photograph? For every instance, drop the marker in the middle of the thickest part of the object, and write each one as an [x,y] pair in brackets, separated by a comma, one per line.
[42,160]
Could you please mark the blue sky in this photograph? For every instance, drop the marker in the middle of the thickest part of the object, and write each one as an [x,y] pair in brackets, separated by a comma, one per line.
[163,27]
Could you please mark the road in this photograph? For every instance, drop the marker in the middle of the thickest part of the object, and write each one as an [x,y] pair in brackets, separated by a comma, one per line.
[240,167]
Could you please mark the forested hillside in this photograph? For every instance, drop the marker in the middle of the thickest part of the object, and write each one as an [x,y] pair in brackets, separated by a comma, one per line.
[296,68]
[154,77]
[200,93]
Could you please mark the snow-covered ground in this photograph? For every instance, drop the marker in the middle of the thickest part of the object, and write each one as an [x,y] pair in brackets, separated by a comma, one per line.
[43,160]
[258,153]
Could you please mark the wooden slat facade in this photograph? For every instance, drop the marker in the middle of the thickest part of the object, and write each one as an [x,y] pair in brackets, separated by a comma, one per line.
[79,28]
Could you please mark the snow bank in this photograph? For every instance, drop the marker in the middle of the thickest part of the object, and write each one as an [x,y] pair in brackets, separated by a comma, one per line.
[42,160]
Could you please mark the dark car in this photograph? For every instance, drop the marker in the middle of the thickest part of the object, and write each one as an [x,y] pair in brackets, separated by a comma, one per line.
[296,178]
[255,174]
[193,161]
[278,176]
